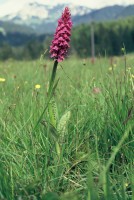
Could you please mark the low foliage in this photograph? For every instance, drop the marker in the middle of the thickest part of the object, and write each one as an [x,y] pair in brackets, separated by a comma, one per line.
[83,146]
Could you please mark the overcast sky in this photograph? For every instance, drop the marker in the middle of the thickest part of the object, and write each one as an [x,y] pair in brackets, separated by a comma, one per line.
[10,6]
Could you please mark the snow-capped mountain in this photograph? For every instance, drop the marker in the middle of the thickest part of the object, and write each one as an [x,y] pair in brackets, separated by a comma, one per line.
[40,18]
[34,14]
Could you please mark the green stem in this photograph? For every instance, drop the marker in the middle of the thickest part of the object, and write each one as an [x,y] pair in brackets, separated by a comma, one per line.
[52,77]
[50,92]
[115,151]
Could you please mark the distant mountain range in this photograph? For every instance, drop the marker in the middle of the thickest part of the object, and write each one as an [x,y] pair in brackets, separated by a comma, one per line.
[39,18]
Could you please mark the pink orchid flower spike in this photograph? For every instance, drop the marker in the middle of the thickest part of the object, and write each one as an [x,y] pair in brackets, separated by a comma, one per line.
[60,43]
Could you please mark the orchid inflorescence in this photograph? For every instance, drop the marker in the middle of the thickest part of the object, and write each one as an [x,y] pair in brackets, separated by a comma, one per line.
[60,43]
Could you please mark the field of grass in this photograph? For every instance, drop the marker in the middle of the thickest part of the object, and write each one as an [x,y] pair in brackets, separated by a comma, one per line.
[82,148]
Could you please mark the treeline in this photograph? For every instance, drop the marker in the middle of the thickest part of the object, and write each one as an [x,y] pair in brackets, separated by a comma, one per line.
[109,38]
[22,46]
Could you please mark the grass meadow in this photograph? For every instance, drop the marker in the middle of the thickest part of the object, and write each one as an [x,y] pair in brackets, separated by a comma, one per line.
[79,148]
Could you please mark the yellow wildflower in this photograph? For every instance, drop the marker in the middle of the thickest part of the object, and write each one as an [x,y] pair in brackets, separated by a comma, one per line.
[2,79]
[37,86]
[110,68]
[126,184]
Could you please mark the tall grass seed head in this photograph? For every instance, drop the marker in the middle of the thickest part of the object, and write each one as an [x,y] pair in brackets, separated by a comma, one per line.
[60,43]
[123,49]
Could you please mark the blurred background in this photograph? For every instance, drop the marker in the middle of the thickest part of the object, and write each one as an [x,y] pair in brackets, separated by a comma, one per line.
[99,27]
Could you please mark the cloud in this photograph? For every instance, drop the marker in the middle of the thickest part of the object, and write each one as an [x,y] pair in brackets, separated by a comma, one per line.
[102,3]
[10,6]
